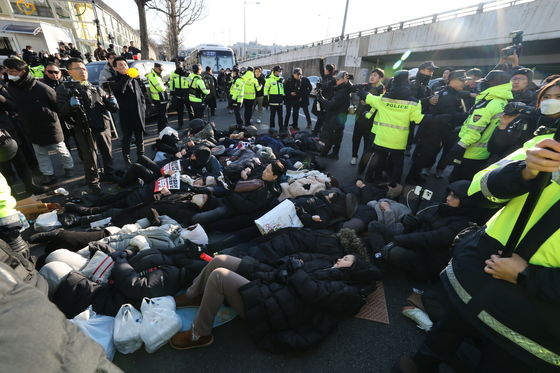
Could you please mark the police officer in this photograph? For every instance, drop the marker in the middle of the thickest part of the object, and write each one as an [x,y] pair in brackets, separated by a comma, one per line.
[178,87]
[395,112]
[236,93]
[274,95]
[439,133]
[197,91]
[470,153]
[250,87]
[158,94]
[87,108]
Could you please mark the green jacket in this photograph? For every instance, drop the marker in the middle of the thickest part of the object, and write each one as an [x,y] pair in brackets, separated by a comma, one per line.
[236,90]
[178,84]
[250,86]
[483,119]
[197,88]
[7,202]
[274,90]
[38,71]
[158,91]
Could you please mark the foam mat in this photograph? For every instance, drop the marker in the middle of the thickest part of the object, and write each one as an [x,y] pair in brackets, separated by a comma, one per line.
[375,308]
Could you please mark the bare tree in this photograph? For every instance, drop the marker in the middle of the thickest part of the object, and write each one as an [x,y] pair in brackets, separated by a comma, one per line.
[144,43]
[178,14]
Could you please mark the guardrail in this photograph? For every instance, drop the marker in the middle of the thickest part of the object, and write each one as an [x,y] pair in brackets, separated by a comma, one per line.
[482,7]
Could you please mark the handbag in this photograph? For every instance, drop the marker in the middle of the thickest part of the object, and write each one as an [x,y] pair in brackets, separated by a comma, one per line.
[248,185]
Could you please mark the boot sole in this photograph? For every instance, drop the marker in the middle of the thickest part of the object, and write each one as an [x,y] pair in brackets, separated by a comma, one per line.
[191,347]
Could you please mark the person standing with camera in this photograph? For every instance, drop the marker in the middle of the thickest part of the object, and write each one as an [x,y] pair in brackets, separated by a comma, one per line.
[327,85]
[88,109]
[36,105]
[336,114]
[293,91]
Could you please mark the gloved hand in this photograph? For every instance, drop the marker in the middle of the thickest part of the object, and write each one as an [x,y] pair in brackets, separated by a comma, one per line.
[410,221]
[294,264]
[362,93]
[112,100]
[75,102]
[455,154]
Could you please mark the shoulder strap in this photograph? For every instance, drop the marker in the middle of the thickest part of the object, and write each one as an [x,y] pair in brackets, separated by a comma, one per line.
[539,233]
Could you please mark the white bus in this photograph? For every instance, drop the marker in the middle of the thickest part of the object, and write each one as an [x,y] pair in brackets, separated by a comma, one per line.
[213,55]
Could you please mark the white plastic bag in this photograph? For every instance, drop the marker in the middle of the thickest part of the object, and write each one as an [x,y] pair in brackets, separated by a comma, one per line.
[282,216]
[196,234]
[99,267]
[127,329]
[159,322]
[47,222]
[168,131]
[97,327]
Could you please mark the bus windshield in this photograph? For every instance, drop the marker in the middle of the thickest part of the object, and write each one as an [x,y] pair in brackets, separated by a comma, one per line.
[216,60]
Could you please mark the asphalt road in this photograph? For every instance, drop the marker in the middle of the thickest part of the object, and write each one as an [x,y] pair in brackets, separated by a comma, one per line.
[355,346]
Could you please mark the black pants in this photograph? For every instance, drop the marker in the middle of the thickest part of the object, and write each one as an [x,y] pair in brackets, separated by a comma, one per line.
[211,102]
[293,109]
[332,139]
[390,160]
[145,169]
[198,109]
[176,211]
[74,241]
[305,108]
[380,234]
[181,104]
[466,170]
[19,162]
[361,133]
[248,113]
[161,107]
[68,134]
[319,122]
[102,146]
[446,337]
[236,111]
[128,130]
[276,110]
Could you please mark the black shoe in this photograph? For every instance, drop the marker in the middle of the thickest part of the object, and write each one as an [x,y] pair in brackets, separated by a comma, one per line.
[44,237]
[35,189]
[333,156]
[127,161]
[48,180]
[69,220]
[73,208]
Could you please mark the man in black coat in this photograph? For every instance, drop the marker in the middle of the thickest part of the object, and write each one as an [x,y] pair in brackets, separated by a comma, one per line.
[292,90]
[88,108]
[130,94]
[328,83]
[306,89]
[336,114]
[36,105]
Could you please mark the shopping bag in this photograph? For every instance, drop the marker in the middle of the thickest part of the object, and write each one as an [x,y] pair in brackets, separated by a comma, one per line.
[159,322]
[47,222]
[97,327]
[99,267]
[282,216]
[127,329]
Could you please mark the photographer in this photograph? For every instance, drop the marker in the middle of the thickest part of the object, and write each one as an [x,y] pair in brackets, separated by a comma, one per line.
[88,108]
[327,85]
[522,86]
[336,114]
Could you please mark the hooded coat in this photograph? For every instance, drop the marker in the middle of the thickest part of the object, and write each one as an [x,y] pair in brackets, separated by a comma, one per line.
[37,108]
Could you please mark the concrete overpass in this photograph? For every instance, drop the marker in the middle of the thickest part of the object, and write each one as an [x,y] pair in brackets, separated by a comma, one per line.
[466,37]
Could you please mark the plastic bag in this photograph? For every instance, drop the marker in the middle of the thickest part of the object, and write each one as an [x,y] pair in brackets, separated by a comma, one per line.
[97,327]
[282,216]
[127,329]
[159,322]
[196,234]
[47,222]
[99,267]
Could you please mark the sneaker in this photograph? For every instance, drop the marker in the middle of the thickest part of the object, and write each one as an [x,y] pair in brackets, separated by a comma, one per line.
[48,180]
[182,301]
[354,161]
[187,340]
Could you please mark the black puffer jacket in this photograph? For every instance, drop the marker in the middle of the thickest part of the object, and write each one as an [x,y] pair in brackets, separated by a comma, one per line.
[294,309]
[150,273]
[262,199]
[36,106]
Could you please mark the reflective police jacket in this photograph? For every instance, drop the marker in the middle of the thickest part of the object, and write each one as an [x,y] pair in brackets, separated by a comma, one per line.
[521,318]
[274,90]
[178,83]
[392,120]
[250,86]
[197,88]
[483,119]
[157,87]
[7,202]
[236,90]
[38,71]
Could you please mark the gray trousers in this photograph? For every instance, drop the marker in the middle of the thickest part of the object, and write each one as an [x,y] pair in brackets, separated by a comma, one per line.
[217,282]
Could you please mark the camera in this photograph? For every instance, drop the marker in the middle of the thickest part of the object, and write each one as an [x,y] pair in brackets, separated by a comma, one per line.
[514,108]
[350,76]
[516,44]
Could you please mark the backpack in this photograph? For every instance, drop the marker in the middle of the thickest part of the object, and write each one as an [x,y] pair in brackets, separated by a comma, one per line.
[23,267]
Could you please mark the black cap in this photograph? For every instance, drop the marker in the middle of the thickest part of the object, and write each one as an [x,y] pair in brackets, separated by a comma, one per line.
[523,71]
[496,77]
[477,73]
[379,72]
[235,69]
[458,74]
[428,65]
[157,64]
[196,125]
[277,68]
[297,70]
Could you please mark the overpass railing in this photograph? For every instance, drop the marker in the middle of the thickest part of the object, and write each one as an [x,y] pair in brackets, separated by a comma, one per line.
[482,7]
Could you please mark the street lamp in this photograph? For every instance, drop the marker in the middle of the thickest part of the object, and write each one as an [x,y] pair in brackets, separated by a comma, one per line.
[245,26]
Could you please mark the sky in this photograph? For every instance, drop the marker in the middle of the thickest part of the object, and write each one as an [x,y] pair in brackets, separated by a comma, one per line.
[288,22]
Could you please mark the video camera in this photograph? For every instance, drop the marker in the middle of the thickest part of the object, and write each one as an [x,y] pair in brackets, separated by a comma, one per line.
[516,44]
[514,108]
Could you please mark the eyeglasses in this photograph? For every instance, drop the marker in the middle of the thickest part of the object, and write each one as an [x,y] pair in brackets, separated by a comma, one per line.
[53,72]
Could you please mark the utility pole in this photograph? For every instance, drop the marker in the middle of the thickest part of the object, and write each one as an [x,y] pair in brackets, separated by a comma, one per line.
[344,22]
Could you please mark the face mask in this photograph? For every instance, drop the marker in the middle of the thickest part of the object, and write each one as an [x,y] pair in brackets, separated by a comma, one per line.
[14,78]
[550,106]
